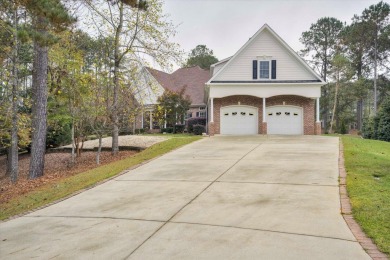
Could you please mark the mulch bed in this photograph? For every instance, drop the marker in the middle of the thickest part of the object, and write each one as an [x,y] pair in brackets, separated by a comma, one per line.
[57,166]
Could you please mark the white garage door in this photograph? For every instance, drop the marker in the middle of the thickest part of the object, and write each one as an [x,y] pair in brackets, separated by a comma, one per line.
[239,120]
[284,120]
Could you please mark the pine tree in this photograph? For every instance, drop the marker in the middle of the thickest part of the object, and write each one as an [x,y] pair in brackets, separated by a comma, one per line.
[47,16]
[321,42]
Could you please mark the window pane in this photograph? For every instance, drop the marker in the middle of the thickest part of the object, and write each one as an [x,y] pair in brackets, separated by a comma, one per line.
[264,69]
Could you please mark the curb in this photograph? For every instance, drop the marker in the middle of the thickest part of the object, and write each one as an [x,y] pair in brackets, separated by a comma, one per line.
[346,211]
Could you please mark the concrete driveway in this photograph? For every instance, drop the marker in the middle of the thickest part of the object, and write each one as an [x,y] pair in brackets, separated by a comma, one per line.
[256,197]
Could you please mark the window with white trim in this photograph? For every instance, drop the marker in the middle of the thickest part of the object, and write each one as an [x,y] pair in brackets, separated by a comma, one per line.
[264,70]
[188,115]
[201,113]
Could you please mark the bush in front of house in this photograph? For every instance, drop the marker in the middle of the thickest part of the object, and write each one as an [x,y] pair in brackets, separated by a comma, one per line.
[191,122]
[139,131]
[199,129]
[168,130]
[179,128]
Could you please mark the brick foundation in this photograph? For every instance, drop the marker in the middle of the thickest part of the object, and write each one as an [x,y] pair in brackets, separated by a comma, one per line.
[308,105]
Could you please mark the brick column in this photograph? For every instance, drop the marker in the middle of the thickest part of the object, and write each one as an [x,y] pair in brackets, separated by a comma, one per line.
[264,128]
[211,128]
[318,130]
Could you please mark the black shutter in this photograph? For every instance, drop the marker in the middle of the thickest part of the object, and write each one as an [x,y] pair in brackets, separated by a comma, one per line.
[254,69]
[273,72]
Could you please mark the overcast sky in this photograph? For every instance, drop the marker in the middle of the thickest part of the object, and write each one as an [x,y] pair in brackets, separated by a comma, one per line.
[225,25]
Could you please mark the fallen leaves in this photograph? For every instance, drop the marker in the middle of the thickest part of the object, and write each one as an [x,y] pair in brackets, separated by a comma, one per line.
[57,166]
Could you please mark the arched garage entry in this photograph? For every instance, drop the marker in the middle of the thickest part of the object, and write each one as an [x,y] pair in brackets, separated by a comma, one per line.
[284,120]
[239,120]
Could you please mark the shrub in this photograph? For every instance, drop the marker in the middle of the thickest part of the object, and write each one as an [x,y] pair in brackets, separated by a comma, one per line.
[125,132]
[199,129]
[58,135]
[139,131]
[378,127]
[368,129]
[179,128]
[195,121]
[383,122]
[343,128]
[168,130]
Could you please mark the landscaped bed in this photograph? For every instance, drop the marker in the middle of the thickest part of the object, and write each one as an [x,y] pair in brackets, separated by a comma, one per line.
[367,163]
[61,182]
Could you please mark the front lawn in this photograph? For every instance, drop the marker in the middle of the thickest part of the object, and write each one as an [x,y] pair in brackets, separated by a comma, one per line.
[69,185]
[367,163]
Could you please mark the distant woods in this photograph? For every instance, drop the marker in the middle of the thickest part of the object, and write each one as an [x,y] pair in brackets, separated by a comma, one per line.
[354,59]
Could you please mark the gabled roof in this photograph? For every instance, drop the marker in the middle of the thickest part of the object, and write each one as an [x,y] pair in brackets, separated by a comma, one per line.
[192,79]
[221,61]
[279,39]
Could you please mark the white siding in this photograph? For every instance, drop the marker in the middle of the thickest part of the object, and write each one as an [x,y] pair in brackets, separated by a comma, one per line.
[146,89]
[287,66]
[218,67]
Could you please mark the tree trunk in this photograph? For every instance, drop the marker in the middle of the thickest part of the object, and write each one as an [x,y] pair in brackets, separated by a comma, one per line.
[115,119]
[99,150]
[39,108]
[73,144]
[334,106]
[359,114]
[77,144]
[13,166]
[375,72]
[324,106]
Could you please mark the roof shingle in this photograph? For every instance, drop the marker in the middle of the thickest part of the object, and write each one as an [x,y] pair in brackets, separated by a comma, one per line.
[193,79]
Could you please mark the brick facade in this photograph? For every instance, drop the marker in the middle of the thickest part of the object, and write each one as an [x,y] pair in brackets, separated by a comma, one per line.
[307,104]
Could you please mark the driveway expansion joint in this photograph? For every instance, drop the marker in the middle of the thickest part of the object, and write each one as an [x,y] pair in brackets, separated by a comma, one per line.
[95,217]
[165,181]
[281,183]
[200,193]
[263,230]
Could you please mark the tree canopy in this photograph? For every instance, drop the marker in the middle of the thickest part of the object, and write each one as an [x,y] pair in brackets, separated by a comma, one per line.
[201,56]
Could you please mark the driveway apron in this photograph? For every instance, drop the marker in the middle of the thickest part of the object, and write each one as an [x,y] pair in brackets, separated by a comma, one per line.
[224,197]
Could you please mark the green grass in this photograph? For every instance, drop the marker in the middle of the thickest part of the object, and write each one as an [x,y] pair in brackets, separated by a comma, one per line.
[67,186]
[368,183]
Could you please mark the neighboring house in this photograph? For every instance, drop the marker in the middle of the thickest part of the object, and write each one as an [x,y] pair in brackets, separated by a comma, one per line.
[265,88]
[193,79]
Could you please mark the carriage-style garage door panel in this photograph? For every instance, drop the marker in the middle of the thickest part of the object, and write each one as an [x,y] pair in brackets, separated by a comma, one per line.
[284,120]
[239,120]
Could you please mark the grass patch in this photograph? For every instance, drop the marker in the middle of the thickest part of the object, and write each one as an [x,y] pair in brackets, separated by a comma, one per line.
[368,183]
[67,186]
